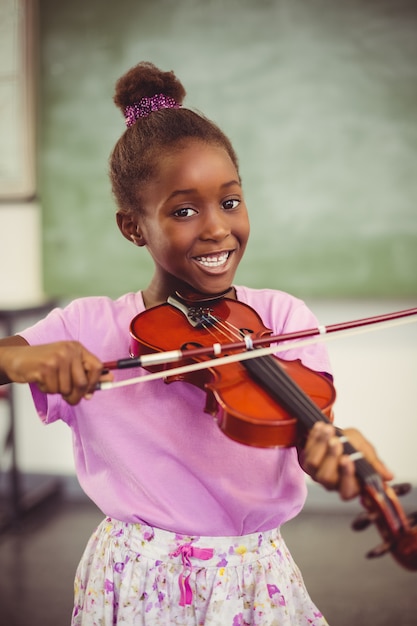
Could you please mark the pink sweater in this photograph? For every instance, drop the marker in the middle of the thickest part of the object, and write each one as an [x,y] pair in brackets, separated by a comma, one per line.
[150,453]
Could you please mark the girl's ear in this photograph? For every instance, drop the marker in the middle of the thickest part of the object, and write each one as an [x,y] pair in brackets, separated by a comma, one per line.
[129,227]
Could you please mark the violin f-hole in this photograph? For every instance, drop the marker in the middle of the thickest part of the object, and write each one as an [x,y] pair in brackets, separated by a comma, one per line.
[188,345]
[246,331]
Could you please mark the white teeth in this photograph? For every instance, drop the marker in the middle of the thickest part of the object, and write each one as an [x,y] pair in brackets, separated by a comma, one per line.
[214,260]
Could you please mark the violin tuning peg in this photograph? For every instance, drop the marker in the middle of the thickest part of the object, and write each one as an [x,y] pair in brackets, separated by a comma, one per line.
[401,489]
[380,550]
[362,521]
[412,518]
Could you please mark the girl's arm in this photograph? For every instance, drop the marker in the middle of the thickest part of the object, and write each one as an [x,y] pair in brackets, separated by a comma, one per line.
[9,341]
[64,367]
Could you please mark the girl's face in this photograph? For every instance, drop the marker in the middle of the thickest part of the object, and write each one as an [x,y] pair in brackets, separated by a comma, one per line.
[194,221]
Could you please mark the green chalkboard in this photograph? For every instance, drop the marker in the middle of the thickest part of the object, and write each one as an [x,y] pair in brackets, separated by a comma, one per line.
[319,98]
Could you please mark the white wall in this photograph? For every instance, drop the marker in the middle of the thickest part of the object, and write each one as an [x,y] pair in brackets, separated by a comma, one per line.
[20,254]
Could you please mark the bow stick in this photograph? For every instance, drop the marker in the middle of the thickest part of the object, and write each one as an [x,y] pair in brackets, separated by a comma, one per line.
[303,337]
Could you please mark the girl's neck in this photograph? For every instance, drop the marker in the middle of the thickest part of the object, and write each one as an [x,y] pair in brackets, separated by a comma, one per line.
[153,296]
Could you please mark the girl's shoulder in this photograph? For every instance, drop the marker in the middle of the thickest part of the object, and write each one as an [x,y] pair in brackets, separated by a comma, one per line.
[265,296]
[91,320]
[283,313]
[90,304]
[278,309]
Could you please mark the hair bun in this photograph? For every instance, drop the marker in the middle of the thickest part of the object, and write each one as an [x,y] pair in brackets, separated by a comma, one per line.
[146,80]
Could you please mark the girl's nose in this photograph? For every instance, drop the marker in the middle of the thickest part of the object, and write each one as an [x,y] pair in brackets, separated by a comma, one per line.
[215,226]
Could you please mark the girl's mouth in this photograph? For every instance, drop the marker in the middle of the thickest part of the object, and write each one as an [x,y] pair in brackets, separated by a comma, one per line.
[213,261]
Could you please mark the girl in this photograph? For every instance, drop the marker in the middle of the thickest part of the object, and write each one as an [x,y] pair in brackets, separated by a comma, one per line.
[192,527]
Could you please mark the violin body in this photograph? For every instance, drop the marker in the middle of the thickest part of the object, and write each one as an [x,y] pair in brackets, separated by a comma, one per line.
[243,409]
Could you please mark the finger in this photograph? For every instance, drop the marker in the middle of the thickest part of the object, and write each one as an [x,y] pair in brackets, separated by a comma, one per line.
[53,373]
[47,382]
[93,387]
[87,372]
[48,377]
[316,447]
[348,484]
[94,371]
[368,450]
[72,378]
[328,473]
[75,367]
[73,382]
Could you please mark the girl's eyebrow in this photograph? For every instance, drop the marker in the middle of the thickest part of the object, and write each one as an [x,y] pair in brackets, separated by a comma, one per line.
[180,192]
[231,183]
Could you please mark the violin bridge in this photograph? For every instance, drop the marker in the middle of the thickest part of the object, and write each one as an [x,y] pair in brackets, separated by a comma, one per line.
[197,315]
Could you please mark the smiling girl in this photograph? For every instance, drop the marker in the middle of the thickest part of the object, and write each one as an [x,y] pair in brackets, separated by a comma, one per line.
[191,533]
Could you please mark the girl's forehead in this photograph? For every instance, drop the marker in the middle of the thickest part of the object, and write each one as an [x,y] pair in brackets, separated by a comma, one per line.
[191,145]
[192,155]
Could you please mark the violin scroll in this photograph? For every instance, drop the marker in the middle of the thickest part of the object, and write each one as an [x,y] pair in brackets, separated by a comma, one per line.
[398,531]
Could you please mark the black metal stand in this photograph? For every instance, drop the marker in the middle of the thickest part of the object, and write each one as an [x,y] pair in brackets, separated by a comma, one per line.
[16,502]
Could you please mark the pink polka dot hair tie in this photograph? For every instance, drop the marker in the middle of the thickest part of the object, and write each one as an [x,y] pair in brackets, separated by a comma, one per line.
[146,106]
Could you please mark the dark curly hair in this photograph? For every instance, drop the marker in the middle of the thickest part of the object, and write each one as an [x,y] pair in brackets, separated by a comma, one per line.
[134,159]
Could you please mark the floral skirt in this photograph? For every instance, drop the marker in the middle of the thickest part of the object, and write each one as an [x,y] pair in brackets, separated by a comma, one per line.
[133,574]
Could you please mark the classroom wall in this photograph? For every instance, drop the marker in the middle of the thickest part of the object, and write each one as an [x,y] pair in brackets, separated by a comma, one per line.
[319,99]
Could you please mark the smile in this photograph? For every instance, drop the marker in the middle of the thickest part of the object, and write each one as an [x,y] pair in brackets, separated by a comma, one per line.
[214,260]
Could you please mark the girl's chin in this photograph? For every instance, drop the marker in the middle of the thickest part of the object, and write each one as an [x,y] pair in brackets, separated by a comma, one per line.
[218,289]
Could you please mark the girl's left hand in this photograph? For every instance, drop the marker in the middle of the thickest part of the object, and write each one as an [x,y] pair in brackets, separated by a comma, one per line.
[323,459]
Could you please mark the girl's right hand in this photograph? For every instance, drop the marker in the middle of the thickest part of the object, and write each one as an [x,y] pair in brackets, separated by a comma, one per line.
[65,367]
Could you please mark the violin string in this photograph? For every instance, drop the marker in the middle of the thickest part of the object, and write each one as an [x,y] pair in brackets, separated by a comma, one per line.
[223,328]
[285,390]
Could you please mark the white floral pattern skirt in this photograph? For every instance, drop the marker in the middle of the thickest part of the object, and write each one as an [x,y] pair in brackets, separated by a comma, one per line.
[135,575]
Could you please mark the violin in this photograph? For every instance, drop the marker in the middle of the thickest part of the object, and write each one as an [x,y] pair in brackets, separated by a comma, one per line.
[242,395]
[264,401]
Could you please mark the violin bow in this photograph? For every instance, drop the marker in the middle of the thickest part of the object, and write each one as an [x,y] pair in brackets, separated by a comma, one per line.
[244,349]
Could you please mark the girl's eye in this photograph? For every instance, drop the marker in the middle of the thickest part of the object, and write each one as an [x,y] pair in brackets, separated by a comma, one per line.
[184,212]
[230,204]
